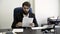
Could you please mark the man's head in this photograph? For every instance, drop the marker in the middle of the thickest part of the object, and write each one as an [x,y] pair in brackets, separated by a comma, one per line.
[26,7]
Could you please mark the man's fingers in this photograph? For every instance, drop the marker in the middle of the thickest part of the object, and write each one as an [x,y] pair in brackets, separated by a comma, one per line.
[32,24]
[19,24]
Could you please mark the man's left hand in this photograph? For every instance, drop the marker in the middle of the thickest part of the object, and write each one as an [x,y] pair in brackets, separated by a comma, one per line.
[32,24]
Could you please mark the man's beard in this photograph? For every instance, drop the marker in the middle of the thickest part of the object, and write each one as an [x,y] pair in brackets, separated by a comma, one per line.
[25,12]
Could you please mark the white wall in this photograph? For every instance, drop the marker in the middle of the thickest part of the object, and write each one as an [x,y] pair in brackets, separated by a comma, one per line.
[45,9]
[32,5]
[6,12]
[59,7]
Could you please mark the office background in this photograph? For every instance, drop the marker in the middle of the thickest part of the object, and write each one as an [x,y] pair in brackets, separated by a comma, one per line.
[42,9]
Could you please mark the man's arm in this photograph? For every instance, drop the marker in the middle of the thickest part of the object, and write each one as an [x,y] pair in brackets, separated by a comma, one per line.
[35,22]
[15,19]
[19,24]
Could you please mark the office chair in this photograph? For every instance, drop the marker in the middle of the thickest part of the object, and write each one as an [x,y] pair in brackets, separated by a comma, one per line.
[19,9]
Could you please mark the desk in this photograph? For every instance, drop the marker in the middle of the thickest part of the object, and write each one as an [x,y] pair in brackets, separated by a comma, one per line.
[27,31]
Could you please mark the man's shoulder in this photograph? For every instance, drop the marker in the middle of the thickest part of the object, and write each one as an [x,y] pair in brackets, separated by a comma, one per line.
[32,13]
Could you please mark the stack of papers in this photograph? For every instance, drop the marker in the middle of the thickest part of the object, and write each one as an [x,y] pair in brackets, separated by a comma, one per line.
[57,26]
[17,30]
[34,28]
[1,33]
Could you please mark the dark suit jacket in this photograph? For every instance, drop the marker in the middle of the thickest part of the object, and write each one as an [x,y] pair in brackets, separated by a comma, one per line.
[19,17]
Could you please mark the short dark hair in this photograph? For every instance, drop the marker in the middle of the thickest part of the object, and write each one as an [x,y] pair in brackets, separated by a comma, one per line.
[26,3]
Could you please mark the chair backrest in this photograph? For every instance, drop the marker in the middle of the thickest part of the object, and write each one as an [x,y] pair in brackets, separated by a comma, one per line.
[18,10]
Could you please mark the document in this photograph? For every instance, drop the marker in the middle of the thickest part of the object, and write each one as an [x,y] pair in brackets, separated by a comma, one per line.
[27,21]
[37,28]
[1,33]
[17,30]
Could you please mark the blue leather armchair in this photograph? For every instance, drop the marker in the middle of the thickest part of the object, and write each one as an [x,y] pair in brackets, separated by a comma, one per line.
[19,9]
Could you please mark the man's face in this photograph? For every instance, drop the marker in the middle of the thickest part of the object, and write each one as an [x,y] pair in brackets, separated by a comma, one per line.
[26,9]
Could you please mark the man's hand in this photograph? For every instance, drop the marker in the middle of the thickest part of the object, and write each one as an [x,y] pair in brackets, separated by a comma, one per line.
[32,24]
[18,24]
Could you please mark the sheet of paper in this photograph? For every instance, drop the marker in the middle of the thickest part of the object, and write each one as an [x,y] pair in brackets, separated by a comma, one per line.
[57,26]
[1,33]
[27,21]
[35,28]
[17,30]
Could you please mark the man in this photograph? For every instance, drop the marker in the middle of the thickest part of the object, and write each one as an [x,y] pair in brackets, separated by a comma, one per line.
[25,13]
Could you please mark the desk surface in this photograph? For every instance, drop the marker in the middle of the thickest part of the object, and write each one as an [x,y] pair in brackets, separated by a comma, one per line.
[27,31]
[30,31]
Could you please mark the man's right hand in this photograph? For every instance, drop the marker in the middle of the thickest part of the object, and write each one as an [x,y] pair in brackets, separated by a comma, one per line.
[18,24]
